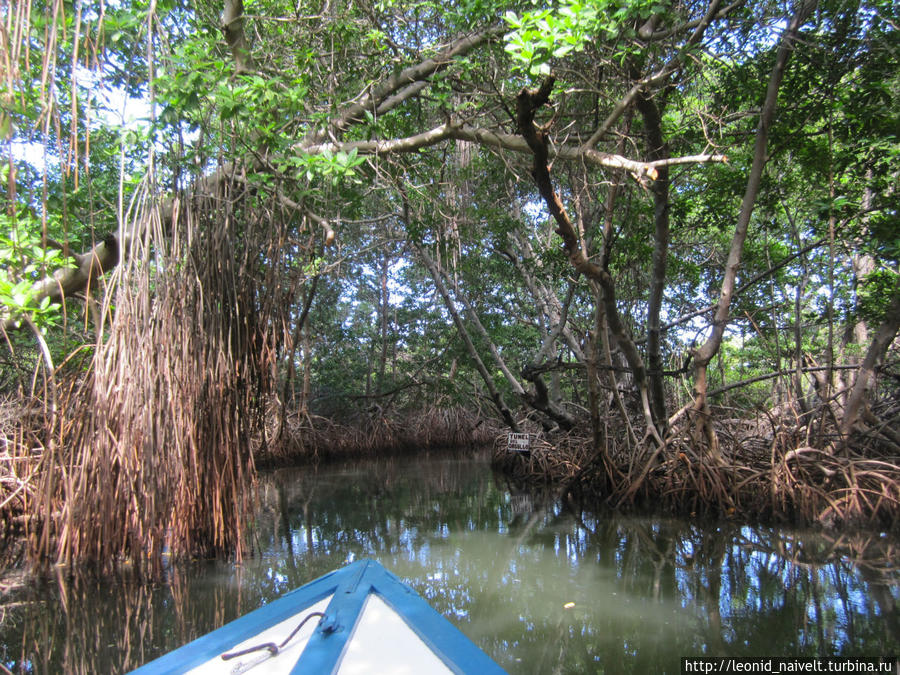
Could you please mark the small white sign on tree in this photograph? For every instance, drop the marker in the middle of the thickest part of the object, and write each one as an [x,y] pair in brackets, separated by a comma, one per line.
[518,442]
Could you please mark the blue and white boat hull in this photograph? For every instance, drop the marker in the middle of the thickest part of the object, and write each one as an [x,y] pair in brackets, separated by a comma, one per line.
[358,619]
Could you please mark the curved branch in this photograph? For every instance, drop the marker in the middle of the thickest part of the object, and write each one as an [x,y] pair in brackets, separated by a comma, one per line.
[705,353]
[527,105]
[754,180]
[669,32]
[503,141]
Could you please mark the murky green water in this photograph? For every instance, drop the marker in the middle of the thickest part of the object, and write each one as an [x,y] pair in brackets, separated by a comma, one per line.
[502,565]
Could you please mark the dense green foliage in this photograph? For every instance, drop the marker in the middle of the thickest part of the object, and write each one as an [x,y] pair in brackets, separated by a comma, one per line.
[24,261]
[318,115]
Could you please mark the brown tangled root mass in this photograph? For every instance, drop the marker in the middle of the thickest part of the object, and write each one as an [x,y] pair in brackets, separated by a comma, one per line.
[303,438]
[766,469]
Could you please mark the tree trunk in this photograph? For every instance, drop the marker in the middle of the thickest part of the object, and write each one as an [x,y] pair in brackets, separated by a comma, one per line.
[383,307]
[233,31]
[705,353]
[865,378]
[494,393]
[660,188]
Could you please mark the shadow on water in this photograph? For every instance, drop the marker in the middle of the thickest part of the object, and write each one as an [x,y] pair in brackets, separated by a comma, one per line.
[542,587]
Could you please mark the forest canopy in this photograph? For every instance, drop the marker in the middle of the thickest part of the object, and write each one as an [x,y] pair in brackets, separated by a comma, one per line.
[663,232]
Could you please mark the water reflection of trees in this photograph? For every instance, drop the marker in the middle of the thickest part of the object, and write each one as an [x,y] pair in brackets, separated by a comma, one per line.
[501,563]
[83,625]
[684,588]
[757,591]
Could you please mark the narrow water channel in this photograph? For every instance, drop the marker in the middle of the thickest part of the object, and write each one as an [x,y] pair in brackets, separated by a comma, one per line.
[505,566]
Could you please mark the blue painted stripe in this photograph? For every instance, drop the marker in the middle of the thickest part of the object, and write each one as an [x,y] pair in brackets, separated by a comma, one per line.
[326,646]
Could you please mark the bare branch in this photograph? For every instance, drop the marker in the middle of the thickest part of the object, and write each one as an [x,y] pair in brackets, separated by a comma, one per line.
[376,98]
[760,157]
[503,141]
